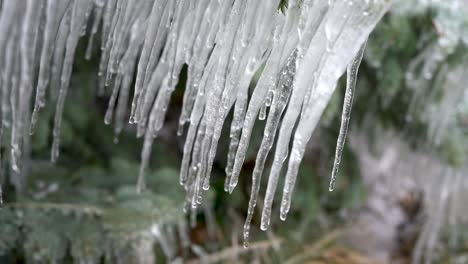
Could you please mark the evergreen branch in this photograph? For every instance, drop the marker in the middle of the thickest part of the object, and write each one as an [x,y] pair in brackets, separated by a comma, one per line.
[86,209]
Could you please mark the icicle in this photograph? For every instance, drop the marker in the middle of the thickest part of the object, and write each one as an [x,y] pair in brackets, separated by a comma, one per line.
[145,107]
[200,51]
[122,31]
[197,56]
[103,72]
[125,73]
[351,76]
[10,61]
[77,20]
[14,107]
[59,53]
[241,103]
[195,173]
[27,51]
[216,110]
[128,66]
[108,14]
[145,155]
[232,27]
[120,23]
[194,123]
[7,76]
[314,18]
[170,80]
[280,99]
[97,19]
[338,33]
[148,59]
[283,43]
[55,10]
[112,100]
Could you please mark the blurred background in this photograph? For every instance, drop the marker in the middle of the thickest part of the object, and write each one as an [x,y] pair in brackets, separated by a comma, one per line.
[399,197]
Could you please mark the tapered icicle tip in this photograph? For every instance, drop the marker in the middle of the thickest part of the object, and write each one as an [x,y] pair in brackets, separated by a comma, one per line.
[182,182]
[265,224]
[283,216]
[34,118]
[233,182]
[351,77]
[31,129]
[232,186]
[180,129]
[331,187]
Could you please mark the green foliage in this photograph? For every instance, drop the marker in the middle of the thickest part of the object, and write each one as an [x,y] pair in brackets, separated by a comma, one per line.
[85,222]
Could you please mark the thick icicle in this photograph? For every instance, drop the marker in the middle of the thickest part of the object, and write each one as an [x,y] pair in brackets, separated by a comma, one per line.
[267,80]
[218,59]
[27,52]
[280,99]
[214,112]
[59,53]
[147,64]
[96,22]
[7,52]
[55,11]
[195,118]
[314,18]
[9,57]
[197,56]
[351,76]
[240,145]
[337,51]
[76,24]
[127,69]
[108,42]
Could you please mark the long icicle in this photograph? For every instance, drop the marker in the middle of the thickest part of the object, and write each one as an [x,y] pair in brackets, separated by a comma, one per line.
[46,54]
[280,100]
[351,76]
[77,20]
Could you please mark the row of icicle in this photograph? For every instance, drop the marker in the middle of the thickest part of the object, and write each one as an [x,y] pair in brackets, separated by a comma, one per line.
[300,53]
